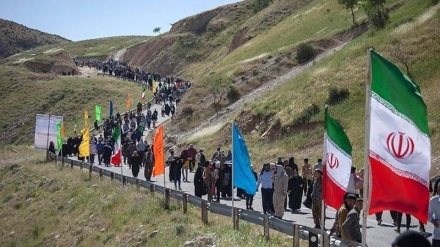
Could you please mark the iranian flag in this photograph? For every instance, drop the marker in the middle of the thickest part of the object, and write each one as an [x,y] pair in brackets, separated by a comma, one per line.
[399,146]
[117,151]
[337,162]
[143,94]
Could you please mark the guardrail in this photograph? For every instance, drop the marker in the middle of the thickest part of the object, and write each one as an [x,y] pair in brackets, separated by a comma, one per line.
[268,222]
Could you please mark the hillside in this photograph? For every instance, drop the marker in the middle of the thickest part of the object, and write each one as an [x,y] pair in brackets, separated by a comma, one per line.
[287,119]
[15,38]
[44,204]
[278,102]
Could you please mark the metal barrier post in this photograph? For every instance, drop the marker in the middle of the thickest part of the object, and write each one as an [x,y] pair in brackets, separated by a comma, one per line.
[71,163]
[112,175]
[152,188]
[101,173]
[235,218]
[185,203]
[90,171]
[138,184]
[266,227]
[295,235]
[167,198]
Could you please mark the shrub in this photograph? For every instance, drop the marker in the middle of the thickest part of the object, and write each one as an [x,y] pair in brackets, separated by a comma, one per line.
[337,95]
[304,52]
[233,94]
[188,110]
[307,114]
[260,5]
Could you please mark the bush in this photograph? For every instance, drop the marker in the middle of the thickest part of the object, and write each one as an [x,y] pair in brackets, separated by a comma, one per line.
[307,114]
[233,94]
[260,5]
[304,52]
[188,110]
[337,95]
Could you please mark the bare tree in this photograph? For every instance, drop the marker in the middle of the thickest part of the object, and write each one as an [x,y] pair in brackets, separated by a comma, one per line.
[402,56]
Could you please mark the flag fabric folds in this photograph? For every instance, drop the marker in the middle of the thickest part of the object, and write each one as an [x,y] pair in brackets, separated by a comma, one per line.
[84,147]
[98,112]
[243,175]
[337,162]
[59,135]
[110,108]
[128,101]
[158,153]
[117,149]
[399,143]
[143,94]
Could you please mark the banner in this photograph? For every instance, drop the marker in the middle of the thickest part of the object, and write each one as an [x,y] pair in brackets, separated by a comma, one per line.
[46,130]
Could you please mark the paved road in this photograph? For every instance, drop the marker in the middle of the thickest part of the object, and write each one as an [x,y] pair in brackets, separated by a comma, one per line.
[377,236]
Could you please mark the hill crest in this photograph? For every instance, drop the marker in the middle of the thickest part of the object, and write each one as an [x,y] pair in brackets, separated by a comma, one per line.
[15,38]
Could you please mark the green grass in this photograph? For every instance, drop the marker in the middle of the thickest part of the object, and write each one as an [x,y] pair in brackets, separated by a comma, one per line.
[25,94]
[347,68]
[50,205]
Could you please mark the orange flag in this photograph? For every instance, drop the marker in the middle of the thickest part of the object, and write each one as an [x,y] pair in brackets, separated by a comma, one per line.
[158,149]
[128,101]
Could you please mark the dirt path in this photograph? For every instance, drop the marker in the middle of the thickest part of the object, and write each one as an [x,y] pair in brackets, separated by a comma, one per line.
[87,72]
[226,115]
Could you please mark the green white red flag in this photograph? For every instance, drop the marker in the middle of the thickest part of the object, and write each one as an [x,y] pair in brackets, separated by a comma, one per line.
[337,162]
[117,150]
[143,94]
[399,142]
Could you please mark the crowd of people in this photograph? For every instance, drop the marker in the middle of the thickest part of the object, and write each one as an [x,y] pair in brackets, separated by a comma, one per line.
[284,185]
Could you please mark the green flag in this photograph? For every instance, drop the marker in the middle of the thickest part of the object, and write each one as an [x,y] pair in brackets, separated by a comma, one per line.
[59,135]
[98,111]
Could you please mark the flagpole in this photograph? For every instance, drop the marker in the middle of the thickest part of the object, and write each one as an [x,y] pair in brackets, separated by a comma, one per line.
[367,179]
[323,177]
[62,142]
[120,153]
[232,170]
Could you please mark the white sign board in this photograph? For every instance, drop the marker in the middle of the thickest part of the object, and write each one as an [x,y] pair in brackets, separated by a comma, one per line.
[46,130]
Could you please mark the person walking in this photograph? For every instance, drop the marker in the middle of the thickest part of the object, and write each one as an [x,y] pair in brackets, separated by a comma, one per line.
[148,163]
[280,182]
[351,229]
[198,181]
[295,190]
[307,174]
[317,198]
[265,180]
[136,161]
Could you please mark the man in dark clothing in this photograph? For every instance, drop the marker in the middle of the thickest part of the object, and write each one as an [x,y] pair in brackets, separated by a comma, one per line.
[100,150]
[149,163]
[107,154]
[292,163]
[136,161]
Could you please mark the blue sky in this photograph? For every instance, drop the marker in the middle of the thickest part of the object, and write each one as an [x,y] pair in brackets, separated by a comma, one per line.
[88,19]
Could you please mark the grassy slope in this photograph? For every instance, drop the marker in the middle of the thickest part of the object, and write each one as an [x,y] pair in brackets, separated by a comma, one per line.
[346,68]
[43,204]
[24,94]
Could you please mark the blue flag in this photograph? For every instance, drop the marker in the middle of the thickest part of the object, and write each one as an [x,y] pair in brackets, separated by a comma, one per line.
[244,177]
[111,108]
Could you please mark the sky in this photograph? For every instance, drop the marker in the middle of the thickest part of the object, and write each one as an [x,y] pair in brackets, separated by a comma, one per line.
[89,19]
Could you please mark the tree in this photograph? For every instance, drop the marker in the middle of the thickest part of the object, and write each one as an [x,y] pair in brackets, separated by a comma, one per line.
[260,5]
[156,30]
[376,12]
[350,4]
[219,89]
[402,57]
